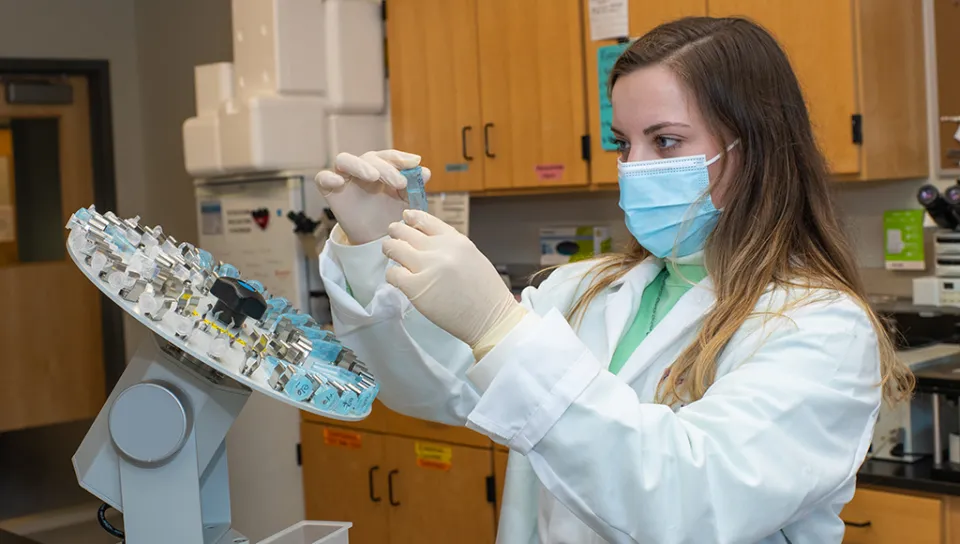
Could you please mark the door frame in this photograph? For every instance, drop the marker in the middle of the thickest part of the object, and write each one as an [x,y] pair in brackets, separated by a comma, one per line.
[97,73]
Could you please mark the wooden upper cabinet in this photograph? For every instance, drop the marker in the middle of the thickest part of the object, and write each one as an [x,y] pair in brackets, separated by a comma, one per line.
[435,89]
[855,57]
[947,17]
[818,37]
[532,93]
[644,16]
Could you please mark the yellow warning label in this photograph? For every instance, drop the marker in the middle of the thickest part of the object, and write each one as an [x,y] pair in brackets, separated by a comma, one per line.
[433,456]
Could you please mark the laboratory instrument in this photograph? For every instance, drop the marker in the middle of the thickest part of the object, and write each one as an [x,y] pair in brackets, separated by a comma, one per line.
[306,82]
[157,450]
[943,288]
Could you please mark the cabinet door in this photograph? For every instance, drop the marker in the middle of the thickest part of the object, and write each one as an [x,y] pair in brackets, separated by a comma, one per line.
[434,89]
[880,517]
[531,73]
[439,493]
[644,16]
[822,59]
[344,479]
[947,16]
[500,477]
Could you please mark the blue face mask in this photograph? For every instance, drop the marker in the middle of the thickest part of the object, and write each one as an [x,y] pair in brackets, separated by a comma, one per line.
[667,203]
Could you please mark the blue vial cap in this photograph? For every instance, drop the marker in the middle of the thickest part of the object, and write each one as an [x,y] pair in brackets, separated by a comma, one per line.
[326,351]
[83,214]
[366,399]
[205,259]
[326,398]
[316,334]
[348,402]
[256,286]
[227,270]
[300,387]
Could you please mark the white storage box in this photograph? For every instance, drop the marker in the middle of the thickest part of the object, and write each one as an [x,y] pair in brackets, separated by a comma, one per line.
[312,532]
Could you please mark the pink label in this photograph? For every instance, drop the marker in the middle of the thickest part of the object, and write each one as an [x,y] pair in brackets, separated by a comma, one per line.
[549,172]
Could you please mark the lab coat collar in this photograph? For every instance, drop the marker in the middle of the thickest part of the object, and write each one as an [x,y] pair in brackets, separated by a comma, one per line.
[623,304]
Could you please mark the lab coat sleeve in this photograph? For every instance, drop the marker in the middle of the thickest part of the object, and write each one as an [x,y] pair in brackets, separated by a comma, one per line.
[421,368]
[772,438]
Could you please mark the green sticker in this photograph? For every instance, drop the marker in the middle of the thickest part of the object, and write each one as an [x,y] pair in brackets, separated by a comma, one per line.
[606,57]
[903,238]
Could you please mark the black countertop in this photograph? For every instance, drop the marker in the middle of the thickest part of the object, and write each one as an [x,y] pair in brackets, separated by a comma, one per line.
[917,476]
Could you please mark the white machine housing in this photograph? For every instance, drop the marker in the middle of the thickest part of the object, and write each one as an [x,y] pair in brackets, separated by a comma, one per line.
[308,77]
[307,81]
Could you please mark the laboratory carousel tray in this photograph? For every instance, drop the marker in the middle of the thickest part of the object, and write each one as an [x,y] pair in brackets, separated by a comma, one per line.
[206,310]
[157,450]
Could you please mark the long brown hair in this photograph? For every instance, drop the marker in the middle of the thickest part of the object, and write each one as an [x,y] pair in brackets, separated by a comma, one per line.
[778,225]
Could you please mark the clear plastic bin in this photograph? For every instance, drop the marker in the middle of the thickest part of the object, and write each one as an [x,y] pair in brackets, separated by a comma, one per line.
[312,532]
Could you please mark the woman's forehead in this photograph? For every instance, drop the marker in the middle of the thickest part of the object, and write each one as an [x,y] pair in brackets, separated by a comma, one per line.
[651,96]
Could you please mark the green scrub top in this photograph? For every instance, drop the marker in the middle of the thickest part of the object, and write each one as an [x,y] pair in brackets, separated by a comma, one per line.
[658,298]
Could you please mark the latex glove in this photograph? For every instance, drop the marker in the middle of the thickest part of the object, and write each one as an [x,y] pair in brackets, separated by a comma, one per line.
[450,282]
[368,192]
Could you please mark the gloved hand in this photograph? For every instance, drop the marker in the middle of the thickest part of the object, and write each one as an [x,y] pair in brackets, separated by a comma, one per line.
[368,192]
[450,282]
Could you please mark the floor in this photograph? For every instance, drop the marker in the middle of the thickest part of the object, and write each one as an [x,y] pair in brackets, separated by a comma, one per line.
[84,533]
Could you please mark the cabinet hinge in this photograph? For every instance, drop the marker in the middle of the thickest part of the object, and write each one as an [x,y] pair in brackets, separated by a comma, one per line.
[299,455]
[585,147]
[856,123]
[491,489]
[383,10]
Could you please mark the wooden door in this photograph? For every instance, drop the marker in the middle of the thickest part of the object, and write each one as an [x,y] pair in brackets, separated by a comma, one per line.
[344,479]
[823,60]
[500,476]
[947,17]
[439,493]
[531,76]
[644,16]
[434,89]
[53,368]
[881,517]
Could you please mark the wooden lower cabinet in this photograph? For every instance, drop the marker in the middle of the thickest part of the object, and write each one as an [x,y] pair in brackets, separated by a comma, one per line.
[887,517]
[395,489]
[439,494]
[500,476]
[344,480]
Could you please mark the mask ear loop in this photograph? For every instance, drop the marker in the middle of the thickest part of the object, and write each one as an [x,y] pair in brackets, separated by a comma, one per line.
[722,153]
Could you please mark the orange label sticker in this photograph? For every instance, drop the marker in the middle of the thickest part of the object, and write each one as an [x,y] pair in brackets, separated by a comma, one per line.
[344,439]
[549,172]
[433,456]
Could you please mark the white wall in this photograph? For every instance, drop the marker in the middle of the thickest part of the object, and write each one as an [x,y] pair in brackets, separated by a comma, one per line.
[73,29]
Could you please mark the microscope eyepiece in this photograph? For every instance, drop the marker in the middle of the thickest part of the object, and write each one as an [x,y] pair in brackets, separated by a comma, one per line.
[944,211]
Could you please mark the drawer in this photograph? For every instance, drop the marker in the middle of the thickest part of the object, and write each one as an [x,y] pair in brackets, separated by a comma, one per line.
[883,517]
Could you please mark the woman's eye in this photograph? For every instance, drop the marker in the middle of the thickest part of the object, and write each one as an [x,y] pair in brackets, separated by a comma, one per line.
[621,145]
[666,142]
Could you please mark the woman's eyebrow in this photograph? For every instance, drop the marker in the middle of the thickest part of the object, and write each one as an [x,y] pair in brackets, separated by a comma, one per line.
[653,128]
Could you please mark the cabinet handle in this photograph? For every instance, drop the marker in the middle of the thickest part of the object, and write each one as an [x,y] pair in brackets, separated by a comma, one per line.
[486,140]
[863,525]
[390,487]
[463,142]
[370,482]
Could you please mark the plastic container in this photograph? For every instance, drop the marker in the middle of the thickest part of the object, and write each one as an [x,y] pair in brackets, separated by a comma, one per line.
[312,532]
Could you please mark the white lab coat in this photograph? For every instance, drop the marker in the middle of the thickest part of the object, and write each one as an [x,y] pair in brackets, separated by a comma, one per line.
[774,444]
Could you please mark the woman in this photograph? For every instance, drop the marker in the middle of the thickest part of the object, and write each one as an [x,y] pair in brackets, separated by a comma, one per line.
[719,382]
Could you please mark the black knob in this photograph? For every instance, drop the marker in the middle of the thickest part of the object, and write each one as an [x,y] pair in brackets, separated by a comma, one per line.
[236,301]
